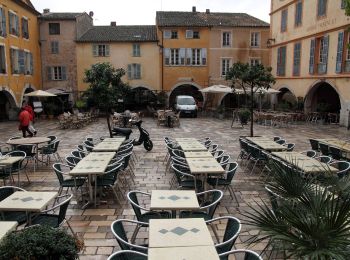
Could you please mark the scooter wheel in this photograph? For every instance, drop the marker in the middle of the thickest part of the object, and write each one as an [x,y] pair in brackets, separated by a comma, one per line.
[148,145]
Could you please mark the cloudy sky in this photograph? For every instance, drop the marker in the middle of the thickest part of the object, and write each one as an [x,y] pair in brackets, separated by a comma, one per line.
[129,12]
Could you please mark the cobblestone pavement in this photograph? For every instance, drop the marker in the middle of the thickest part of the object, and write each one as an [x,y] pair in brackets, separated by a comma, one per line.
[93,225]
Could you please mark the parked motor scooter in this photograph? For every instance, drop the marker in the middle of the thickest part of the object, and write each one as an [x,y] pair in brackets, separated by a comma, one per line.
[144,135]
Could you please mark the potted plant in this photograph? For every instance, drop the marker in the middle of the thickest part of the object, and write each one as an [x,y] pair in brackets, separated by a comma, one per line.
[80,104]
[50,108]
[40,242]
[244,115]
[220,111]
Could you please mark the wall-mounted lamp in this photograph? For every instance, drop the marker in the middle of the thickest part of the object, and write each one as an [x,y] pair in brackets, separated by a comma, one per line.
[270,41]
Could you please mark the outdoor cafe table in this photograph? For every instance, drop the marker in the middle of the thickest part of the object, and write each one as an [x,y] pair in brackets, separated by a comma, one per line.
[28,201]
[186,139]
[174,200]
[192,146]
[204,166]
[183,253]
[199,154]
[343,146]
[30,141]
[268,145]
[91,165]
[107,145]
[8,161]
[6,227]
[179,232]
[304,163]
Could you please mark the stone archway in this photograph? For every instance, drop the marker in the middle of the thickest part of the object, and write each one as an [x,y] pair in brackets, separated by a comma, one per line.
[140,97]
[7,103]
[322,97]
[188,90]
[286,99]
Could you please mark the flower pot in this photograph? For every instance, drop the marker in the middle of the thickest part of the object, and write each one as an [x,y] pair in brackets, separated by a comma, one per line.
[51,117]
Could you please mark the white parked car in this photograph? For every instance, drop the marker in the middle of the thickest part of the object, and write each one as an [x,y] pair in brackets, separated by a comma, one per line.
[186,105]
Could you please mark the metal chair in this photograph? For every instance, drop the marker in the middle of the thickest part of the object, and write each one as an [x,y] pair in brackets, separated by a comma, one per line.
[19,216]
[335,153]
[324,149]
[314,144]
[281,141]
[212,148]
[184,179]
[310,153]
[50,149]
[324,159]
[233,227]
[18,167]
[79,154]
[207,207]
[118,230]
[89,146]
[226,182]
[224,160]
[290,147]
[276,138]
[72,161]
[127,254]
[248,254]
[342,166]
[51,219]
[30,151]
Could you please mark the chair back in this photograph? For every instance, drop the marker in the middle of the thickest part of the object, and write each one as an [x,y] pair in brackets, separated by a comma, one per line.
[29,149]
[310,153]
[232,168]
[178,153]
[218,154]
[274,199]
[248,254]
[324,159]
[207,143]
[335,153]
[179,160]
[213,202]
[63,208]
[57,167]
[52,138]
[132,197]
[127,255]
[343,168]
[281,141]
[55,145]
[15,167]
[89,146]
[180,170]
[77,153]
[224,160]
[290,147]
[276,138]
[324,149]
[233,227]
[72,161]
[212,148]
[314,144]
[6,191]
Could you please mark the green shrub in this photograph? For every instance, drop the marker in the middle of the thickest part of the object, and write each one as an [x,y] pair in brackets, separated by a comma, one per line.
[39,242]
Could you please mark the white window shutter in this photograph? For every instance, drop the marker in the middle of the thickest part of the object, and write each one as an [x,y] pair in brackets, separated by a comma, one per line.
[182,56]
[95,50]
[188,56]
[204,56]
[166,34]
[107,50]
[189,34]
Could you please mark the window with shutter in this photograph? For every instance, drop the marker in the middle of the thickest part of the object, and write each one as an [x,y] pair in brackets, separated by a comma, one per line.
[196,35]
[255,61]
[174,56]
[21,61]
[338,67]
[298,13]
[166,34]
[54,47]
[137,71]
[284,18]
[174,35]
[204,56]
[182,54]
[129,71]
[254,39]
[136,50]
[323,55]
[321,8]
[54,28]
[312,56]
[196,56]
[57,73]
[226,39]
[17,25]
[14,53]
[188,56]
[2,60]
[95,50]
[2,22]
[296,59]
[225,66]
[347,53]
[189,34]
[49,73]
[166,56]
[25,30]
[281,61]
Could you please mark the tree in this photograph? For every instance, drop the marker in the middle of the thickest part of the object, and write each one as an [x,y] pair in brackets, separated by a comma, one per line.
[347,7]
[250,78]
[105,87]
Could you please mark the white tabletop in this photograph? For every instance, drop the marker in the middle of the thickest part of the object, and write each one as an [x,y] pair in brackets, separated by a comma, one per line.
[28,140]
[174,200]
[192,146]
[268,145]
[33,201]
[93,163]
[184,232]
[199,154]
[114,139]
[108,146]
[6,227]
[186,139]
[183,253]
[204,165]
[8,160]
[305,163]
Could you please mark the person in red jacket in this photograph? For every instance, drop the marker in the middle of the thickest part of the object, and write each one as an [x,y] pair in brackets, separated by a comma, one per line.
[32,116]
[24,120]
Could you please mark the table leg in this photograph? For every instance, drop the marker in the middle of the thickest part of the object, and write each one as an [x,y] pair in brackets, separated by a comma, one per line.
[91,193]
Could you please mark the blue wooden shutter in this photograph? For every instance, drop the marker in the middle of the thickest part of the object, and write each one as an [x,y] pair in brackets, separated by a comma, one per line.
[167,34]
[17,24]
[10,22]
[312,57]
[279,61]
[21,63]
[138,71]
[284,18]
[338,67]
[298,13]
[296,61]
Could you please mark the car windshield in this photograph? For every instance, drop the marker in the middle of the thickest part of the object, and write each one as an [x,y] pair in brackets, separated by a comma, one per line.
[185,101]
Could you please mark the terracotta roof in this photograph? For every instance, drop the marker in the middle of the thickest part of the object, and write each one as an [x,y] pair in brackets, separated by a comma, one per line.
[59,16]
[27,4]
[200,19]
[124,33]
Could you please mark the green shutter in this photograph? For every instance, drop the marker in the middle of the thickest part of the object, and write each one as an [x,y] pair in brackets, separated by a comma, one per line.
[312,56]
[338,67]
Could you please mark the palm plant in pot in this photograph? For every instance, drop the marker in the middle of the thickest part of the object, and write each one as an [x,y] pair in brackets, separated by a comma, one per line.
[308,217]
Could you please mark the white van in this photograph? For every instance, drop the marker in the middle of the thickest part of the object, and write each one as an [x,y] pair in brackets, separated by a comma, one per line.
[186,105]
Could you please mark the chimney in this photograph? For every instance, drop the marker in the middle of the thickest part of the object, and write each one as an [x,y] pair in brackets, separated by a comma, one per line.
[193,9]
[207,11]
[113,23]
[46,10]
[91,14]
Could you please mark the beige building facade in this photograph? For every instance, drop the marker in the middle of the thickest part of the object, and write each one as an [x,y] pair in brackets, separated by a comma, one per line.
[133,48]
[309,54]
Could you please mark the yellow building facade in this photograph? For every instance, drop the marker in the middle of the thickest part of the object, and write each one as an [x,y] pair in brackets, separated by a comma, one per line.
[136,51]
[20,70]
[309,54]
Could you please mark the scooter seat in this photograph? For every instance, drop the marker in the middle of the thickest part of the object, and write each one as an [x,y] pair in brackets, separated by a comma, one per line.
[123,131]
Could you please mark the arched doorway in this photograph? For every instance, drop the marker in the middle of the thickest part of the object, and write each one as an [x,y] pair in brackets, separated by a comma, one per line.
[7,102]
[232,100]
[188,90]
[139,98]
[286,100]
[322,97]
